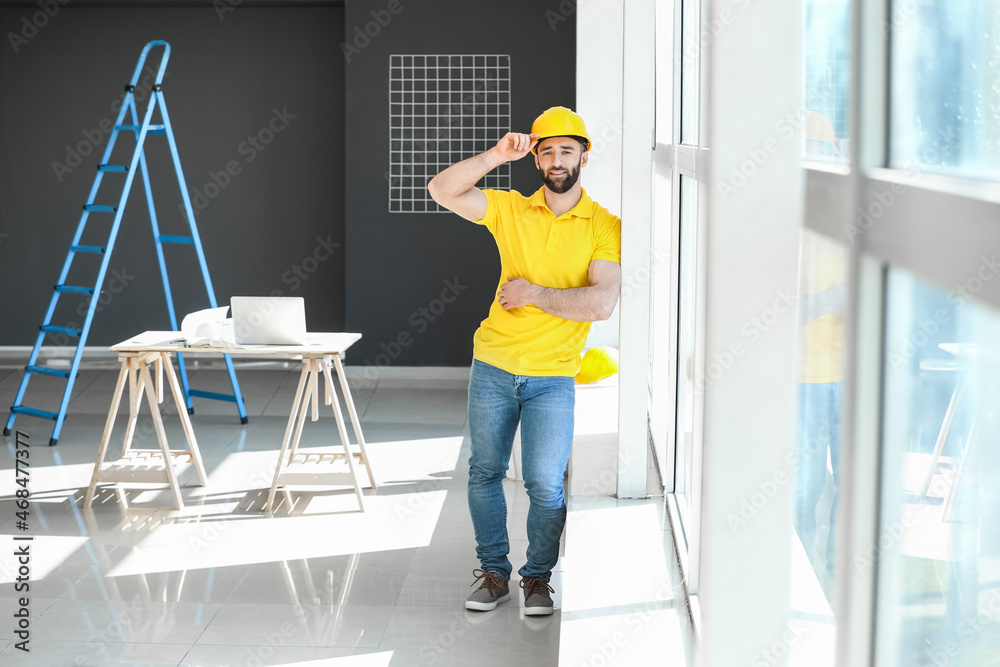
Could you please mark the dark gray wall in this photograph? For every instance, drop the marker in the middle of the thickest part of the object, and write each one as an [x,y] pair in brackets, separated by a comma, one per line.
[398,263]
[223,81]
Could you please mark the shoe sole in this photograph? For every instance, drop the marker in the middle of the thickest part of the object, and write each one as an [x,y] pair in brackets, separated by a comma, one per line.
[537,611]
[486,606]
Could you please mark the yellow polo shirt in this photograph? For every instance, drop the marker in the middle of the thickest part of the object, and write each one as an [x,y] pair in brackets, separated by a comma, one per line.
[545,250]
[821,340]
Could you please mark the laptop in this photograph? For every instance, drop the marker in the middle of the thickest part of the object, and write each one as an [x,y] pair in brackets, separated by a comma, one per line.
[269,320]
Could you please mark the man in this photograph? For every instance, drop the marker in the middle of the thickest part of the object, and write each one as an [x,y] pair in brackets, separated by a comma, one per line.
[560,256]
[821,336]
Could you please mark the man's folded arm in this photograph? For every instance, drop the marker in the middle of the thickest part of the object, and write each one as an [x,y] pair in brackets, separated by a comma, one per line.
[592,303]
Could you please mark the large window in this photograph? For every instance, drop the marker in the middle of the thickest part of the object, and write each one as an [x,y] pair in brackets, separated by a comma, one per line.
[939,545]
[822,301]
[689,379]
[919,389]
[945,100]
[827,73]
[894,472]
[675,396]
[691,50]
[819,403]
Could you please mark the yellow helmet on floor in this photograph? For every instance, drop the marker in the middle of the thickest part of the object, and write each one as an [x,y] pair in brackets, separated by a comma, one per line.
[597,364]
[559,122]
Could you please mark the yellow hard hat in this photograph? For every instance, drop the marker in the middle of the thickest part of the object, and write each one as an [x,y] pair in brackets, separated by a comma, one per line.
[559,122]
[597,364]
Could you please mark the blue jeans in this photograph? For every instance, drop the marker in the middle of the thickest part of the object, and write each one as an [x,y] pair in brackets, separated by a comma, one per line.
[544,406]
[819,432]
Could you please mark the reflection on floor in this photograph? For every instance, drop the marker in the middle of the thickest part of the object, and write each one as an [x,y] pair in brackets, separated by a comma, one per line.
[220,583]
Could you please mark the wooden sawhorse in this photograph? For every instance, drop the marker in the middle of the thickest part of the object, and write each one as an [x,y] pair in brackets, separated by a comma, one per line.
[313,468]
[145,465]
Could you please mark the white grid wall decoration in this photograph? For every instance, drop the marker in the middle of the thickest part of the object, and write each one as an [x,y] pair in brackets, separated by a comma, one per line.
[826,85]
[443,109]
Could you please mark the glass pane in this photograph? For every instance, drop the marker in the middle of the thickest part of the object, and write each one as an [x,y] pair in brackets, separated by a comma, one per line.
[664,47]
[827,79]
[689,71]
[945,103]
[823,272]
[686,317]
[662,343]
[938,548]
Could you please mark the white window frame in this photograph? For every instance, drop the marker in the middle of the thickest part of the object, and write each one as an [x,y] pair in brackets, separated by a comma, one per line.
[672,161]
[933,214]
[638,114]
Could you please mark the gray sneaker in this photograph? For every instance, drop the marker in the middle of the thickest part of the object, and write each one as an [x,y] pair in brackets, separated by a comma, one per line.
[492,591]
[537,597]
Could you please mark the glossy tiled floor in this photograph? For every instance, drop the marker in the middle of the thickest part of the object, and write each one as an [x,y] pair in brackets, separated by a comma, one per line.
[221,583]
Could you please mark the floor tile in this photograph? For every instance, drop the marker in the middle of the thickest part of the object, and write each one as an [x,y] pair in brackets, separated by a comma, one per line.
[95,397]
[9,376]
[438,591]
[57,563]
[376,431]
[264,655]
[46,392]
[256,387]
[450,559]
[447,380]
[202,585]
[11,605]
[220,582]
[334,580]
[434,406]
[105,654]
[339,626]
[104,524]
[499,630]
[462,655]
[131,621]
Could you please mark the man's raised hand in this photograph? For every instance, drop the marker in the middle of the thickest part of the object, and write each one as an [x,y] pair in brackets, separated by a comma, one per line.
[514,145]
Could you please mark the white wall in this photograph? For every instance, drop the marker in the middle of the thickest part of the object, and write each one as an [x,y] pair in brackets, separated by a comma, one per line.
[751,238]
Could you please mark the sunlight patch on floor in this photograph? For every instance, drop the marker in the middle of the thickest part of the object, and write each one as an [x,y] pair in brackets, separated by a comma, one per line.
[630,538]
[389,522]
[47,552]
[51,479]
[637,638]
[381,659]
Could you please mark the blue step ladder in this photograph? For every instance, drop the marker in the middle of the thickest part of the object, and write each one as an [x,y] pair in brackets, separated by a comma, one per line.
[141,130]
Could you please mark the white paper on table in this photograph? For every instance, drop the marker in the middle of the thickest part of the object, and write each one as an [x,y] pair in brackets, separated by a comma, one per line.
[155,338]
[208,328]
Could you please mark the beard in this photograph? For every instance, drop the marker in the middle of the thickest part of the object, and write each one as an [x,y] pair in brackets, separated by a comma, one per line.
[567,182]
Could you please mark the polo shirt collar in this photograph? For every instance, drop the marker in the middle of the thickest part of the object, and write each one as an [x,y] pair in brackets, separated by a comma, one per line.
[583,209]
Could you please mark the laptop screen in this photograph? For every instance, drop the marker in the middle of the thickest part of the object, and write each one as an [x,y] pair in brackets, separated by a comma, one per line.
[269,320]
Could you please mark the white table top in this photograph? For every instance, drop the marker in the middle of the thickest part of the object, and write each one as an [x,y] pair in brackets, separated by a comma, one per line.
[317,344]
